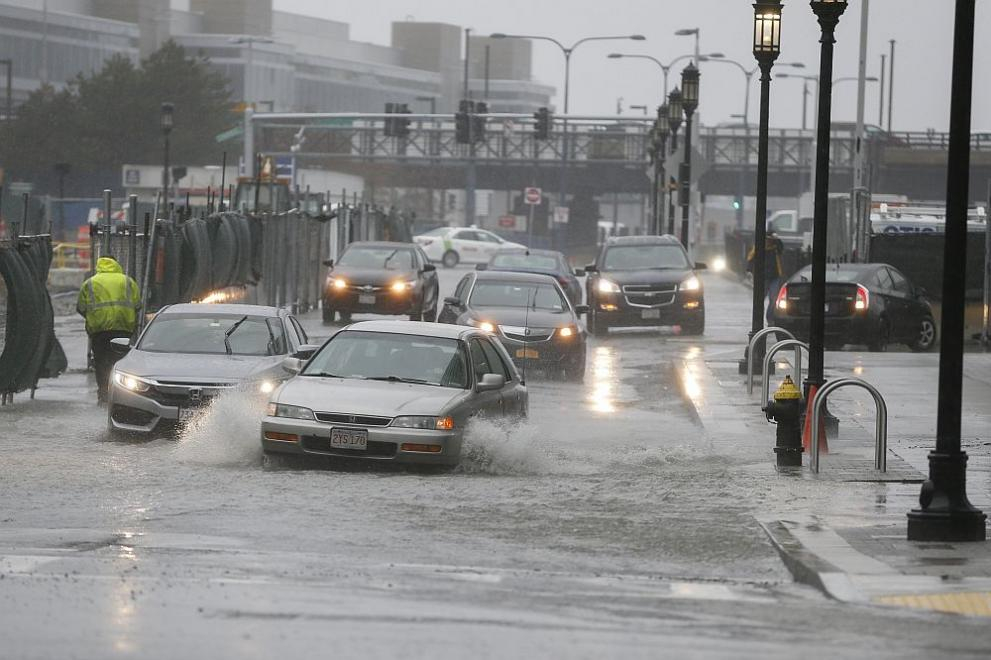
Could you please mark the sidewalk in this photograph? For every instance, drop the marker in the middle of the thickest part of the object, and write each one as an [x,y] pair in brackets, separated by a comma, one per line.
[844,530]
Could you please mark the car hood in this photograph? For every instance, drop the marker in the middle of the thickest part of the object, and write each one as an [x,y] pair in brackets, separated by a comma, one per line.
[365,397]
[190,367]
[371,276]
[520,317]
[623,277]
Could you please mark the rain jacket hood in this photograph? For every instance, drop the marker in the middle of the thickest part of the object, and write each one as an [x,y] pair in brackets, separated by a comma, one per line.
[109,300]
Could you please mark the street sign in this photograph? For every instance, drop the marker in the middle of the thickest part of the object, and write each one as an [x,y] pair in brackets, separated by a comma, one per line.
[561,215]
[532,196]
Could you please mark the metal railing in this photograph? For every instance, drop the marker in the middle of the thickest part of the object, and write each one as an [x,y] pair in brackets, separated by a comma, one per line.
[796,368]
[880,428]
[750,353]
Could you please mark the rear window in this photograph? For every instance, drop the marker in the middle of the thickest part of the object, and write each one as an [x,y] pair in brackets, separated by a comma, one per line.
[833,275]
[521,260]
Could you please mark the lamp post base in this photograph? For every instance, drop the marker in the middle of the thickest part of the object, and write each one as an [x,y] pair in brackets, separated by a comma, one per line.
[945,513]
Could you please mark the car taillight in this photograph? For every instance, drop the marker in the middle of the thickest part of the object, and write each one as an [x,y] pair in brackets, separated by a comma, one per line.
[782,301]
[863,298]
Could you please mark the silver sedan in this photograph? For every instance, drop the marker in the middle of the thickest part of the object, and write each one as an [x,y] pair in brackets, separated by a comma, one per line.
[400,391]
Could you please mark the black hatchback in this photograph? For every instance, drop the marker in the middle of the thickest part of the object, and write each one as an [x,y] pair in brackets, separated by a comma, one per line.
[872,304]
[644,281]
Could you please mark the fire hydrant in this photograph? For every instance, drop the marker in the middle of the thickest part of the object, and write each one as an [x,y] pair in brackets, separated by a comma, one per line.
[786,411]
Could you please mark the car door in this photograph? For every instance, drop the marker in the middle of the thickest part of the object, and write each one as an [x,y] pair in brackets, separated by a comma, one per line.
[487,404]
[469,246]
[512,399]
[905,320]
[450,313]
[429,277]
[490,243]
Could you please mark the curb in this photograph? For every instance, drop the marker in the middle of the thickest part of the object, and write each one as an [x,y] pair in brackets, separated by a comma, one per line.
[678,369]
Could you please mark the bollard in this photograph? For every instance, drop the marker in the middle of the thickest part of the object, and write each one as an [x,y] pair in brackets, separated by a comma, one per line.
[786,411]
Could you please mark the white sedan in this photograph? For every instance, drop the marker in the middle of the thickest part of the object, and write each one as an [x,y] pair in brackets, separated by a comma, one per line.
[453,245]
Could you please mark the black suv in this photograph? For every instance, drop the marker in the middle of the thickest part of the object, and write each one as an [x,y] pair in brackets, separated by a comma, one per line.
[644,281]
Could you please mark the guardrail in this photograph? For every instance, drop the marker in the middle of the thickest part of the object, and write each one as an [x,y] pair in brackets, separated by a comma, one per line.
[880,427]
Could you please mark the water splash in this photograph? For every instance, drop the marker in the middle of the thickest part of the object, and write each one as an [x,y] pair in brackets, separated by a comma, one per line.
[504,448]
[226,433]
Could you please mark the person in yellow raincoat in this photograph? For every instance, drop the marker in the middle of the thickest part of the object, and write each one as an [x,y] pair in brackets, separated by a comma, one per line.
[109,301]
[774,269]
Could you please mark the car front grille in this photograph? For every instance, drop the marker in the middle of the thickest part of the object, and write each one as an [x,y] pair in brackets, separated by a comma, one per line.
[526,334]
[357,420]
[375,448]
[170,393]
[648,295]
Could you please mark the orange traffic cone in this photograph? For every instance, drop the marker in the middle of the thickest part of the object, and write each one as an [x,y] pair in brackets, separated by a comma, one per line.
[807,427]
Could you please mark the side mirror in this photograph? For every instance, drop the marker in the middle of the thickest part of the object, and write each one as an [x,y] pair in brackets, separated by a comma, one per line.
[121,342]
[579,272]
[292,365]
[591,268]
[305,351]
[329,263]
[701,266]
[581,309]
[491,383]
[429,268]
[451,301]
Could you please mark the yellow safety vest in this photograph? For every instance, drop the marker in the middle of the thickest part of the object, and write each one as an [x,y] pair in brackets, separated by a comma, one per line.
[109,300]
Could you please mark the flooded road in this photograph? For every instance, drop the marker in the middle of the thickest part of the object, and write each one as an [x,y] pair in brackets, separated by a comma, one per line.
[609,524]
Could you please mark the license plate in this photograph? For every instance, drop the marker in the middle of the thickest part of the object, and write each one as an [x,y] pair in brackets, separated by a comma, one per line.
[366,300]
[186,414]
[528,354]
[349,439]
[651,313]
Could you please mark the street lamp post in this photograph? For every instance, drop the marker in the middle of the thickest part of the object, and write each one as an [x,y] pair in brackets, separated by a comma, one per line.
[250,61]
[689,102]
[828,13]
[62,170]
[767,47]
[662,129]
[674,122]
[945,514]
[168,122]
[665,68]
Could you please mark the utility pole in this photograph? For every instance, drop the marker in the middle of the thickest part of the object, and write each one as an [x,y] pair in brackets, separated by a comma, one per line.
[880,105]
[891,82]
[858,163]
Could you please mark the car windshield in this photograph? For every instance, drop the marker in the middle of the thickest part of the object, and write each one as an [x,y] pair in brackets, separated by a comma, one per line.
[523,260]
[645,257]
[212,334]
[392,357]
[517,294]
[387,258]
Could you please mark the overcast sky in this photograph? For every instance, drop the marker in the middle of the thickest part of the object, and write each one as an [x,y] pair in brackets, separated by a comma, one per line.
[923,30]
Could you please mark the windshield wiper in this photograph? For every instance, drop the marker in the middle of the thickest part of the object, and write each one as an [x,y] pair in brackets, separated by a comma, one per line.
[230,331]
[322,374]
[398,379]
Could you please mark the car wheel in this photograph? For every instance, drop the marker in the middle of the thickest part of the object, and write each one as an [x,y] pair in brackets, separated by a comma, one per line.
[879,344]
[926,338]
[596,325]
[695,327]
[450,259]
[328,314]
[431,315]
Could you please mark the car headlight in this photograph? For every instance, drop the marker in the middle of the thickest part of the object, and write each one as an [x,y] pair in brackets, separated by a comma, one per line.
[567,331]
[340,283]
[402,287]
[266,386]
[132,383]
[482,325]
[423,422]
[605,286]
[691,284]
[292,412]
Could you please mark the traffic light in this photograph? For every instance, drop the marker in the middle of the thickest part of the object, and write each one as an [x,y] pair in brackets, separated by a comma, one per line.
[542,130]
[737,203]
[462,123]
[478,123]
[390,127]
[400,125]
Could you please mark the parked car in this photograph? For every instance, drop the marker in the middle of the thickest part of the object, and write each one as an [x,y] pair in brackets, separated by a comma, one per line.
[453,245]
[190,354]
[545,262]
[381,278]
[872,304]
[529,314]
[394,391]
[644,281]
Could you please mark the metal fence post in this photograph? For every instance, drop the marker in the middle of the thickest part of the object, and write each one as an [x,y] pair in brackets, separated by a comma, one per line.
[132,239]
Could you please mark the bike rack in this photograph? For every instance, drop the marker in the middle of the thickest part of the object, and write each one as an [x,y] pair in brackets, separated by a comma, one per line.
[881,426]
[750,353]
[796,368]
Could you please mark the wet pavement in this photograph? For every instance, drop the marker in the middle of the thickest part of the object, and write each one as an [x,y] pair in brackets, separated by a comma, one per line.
[614,523]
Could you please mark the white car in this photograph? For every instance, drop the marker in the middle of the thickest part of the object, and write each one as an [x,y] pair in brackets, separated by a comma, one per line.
[453,245]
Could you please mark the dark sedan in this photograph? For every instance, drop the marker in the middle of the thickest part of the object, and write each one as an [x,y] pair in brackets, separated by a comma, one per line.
[543,262]
[529,313]
[644,281]
[872,304]
[381,278]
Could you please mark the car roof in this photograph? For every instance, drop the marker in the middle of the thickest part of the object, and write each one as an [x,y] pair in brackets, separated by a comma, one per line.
[207,309]
[666,239]
[382,244]
[513,276]
[418,328]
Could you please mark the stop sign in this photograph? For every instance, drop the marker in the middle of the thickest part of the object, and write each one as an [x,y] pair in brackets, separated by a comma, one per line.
[532,196]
